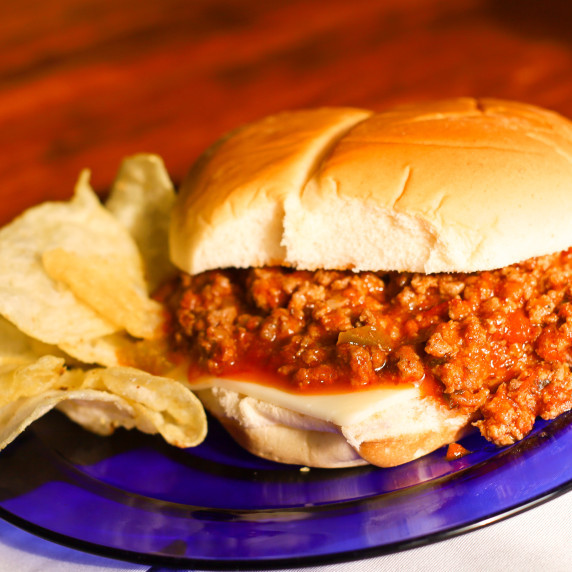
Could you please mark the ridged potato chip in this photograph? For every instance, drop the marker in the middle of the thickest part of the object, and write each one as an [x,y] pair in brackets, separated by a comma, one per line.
[101,400]
[47,309]
[103,351]
[141,199]
[17,349]
[104,284]
[74,296]
[148,403]
[32,382]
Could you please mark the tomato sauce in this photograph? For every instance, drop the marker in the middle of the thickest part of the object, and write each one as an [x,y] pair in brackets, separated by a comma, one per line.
[496,343]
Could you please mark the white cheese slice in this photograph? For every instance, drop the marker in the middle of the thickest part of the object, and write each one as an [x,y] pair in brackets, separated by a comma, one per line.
[341,408]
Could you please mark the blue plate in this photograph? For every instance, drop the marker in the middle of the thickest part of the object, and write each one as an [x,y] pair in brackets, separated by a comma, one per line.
[132,497]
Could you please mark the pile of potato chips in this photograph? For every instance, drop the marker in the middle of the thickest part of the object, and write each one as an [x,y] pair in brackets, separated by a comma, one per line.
[75,285]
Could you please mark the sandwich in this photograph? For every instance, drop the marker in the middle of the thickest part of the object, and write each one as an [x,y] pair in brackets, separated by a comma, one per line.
[358,287]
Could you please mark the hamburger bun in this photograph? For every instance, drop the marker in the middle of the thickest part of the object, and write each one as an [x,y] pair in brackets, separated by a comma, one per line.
[452,186]
[441,187]
[396,433]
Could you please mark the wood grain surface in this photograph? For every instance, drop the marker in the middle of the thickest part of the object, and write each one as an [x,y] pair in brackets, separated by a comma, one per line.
[85,82]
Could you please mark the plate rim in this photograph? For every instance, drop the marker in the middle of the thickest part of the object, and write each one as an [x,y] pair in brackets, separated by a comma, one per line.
[551,429]
[282,563]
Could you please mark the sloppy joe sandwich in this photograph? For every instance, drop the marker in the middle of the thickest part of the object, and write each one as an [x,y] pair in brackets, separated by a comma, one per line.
[362,287]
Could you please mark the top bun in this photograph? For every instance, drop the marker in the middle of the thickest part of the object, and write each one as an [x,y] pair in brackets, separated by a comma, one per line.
[451,186]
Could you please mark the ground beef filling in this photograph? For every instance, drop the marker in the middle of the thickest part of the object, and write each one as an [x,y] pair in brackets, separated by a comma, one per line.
[497,343]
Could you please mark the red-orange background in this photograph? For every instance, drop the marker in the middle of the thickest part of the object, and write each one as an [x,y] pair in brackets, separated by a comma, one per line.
[83,83]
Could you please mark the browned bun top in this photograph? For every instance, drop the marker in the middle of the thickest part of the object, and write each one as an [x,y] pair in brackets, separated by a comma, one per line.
[446,186]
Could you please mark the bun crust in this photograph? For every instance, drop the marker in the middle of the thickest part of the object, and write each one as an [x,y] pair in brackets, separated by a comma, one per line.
[230,209]
[386,439]
[453,186]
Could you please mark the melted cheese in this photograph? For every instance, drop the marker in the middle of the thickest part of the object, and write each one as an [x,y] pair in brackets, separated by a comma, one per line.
[341,409]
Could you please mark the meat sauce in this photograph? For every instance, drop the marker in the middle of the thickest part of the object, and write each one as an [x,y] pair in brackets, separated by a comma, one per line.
[496,343]
[456,451]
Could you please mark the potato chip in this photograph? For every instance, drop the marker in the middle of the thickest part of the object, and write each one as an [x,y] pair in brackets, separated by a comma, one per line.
[105,285]
[34,378]
[17,349]
[101,400]
[101,351]
[156,405]
[141,198]
[29,298]
[73,294]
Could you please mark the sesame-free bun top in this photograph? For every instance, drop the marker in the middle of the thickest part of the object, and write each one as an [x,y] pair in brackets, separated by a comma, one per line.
[449,186]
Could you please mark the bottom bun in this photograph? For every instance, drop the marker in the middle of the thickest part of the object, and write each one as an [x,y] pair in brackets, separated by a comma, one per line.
[390,437]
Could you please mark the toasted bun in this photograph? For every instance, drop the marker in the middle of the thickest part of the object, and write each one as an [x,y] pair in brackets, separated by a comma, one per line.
[451,186]
[398,434]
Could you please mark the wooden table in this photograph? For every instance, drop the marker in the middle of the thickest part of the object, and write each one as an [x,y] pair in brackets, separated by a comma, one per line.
[85,82]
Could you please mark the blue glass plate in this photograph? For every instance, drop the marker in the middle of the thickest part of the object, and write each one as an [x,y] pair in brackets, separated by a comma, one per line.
[132,497]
